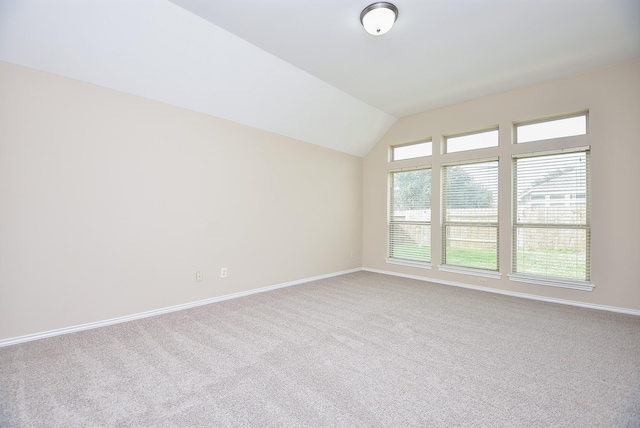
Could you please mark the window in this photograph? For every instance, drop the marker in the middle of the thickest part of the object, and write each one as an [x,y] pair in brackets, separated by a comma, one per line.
[410,215]
[553,128]
[552,241]
[549,225]
[411,151]
[477,140]
[470,215]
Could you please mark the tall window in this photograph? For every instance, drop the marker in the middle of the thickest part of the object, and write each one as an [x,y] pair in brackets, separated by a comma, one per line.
[410,215]
[470,215]
[551,236]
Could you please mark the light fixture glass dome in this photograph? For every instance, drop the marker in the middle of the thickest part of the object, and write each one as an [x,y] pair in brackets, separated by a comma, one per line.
[378,18]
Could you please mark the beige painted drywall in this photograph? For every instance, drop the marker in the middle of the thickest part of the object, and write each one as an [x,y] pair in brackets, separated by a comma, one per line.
[612,96]
[110,203]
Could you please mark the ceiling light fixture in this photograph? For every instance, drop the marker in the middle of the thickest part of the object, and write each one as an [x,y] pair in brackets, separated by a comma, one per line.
[378,18]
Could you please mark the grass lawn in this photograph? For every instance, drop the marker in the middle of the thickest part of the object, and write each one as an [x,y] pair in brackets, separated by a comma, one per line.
[412,252]
[484,259]
[475,258]
[561,264]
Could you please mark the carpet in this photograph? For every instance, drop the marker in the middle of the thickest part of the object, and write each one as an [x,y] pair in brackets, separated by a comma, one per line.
[357,350]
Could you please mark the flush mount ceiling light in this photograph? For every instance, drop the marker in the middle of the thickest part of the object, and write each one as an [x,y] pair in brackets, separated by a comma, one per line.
[378,18]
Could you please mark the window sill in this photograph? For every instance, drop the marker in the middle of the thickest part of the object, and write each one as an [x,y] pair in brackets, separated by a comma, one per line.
[422,265]
[552,282]
[471,271]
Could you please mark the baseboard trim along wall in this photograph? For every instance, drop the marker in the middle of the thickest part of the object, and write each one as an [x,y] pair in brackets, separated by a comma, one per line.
[126,318]
[97,324]
[512,293]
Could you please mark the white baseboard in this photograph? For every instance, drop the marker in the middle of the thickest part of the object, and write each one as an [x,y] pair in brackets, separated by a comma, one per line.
[126,318]
[512,293]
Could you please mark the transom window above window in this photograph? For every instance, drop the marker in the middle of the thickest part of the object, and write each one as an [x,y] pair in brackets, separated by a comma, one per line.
[476,140]
[411,150]
[551,128]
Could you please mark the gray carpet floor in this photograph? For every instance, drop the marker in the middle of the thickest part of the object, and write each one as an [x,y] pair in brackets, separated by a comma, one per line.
[358,350]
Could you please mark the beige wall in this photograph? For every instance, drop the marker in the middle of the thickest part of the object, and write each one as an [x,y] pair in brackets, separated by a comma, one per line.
[110,203]
[612,97]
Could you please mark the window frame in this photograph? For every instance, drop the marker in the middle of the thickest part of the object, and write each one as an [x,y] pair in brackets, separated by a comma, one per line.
[548,119]
[392,222]
[505,233]
[556,281]
[392,148]
[446,138]
[478,271]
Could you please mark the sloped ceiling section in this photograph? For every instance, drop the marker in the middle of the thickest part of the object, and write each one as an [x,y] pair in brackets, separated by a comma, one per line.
[439,52]
[157,50]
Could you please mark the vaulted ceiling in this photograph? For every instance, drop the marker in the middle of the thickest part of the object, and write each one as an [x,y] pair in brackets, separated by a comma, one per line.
[308,70]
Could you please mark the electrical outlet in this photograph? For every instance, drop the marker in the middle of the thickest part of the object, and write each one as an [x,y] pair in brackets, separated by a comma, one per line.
[223,273]
[352,252]
[199,276]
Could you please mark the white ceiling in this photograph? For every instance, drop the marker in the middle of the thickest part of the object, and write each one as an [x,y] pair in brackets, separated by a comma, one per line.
[440,51]
[307,69]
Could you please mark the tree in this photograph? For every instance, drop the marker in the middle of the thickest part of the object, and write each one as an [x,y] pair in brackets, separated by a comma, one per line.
[412,190]
[469,193]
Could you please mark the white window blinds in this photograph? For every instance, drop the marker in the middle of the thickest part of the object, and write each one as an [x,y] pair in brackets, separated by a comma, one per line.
[551,236]
[410,215]
[470,215]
